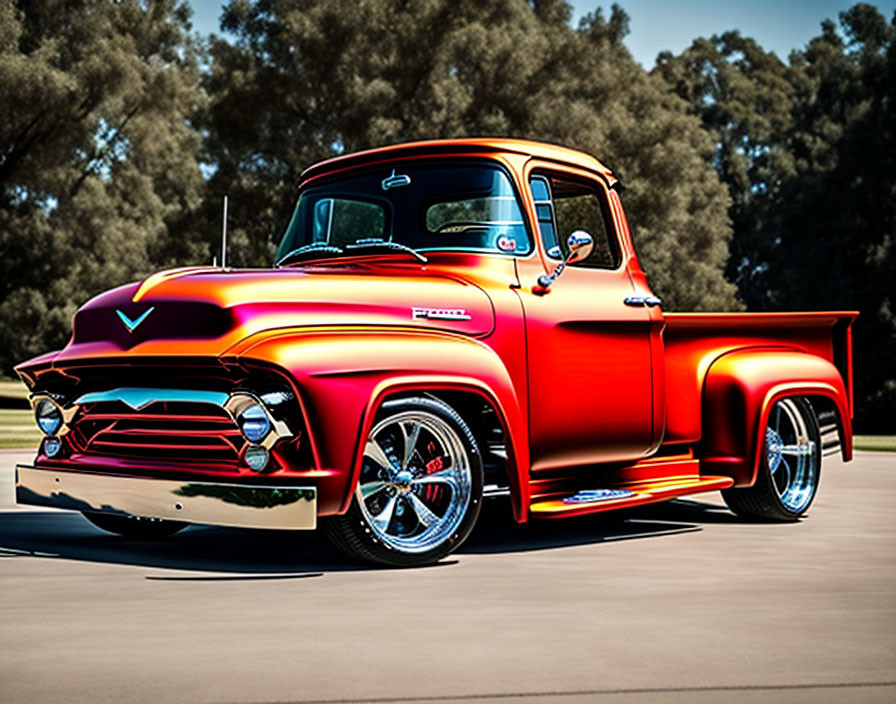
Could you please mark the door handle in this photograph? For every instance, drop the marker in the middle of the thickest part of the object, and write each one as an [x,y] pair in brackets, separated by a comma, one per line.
[649,301]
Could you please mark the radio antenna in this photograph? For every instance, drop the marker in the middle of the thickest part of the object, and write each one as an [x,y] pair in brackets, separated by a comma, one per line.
[224,237]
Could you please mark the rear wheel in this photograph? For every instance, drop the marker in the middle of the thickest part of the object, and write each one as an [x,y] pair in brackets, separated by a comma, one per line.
[420,487]
[136,527]
[789,468]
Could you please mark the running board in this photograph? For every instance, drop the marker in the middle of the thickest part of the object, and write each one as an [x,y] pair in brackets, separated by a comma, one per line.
[625,496]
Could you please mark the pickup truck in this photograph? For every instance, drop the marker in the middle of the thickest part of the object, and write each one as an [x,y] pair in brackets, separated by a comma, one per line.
[446,320]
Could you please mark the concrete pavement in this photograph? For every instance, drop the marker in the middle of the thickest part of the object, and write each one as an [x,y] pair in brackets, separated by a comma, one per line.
[675,602]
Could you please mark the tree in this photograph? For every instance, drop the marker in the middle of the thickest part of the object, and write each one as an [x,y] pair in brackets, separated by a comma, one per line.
[806,151]
[308,80]
[743,96]
[99,166]
[840,230]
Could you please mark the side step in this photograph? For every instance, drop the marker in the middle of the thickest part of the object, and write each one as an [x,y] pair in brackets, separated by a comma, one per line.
[625,496]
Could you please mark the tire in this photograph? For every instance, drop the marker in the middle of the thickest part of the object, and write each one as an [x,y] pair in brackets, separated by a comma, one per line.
[135,527]
[790,466]
[420,488]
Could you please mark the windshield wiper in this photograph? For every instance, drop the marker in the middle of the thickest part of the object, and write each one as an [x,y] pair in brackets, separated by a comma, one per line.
[313,249]
[375,242]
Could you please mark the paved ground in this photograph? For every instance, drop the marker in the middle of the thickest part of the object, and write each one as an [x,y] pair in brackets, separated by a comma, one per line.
[680,602]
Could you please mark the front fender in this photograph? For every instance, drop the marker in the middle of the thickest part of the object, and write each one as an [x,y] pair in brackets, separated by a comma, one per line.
[343,375]
[740,389]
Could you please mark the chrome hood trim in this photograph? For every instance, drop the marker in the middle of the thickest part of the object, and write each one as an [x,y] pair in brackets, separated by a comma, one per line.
[140,398]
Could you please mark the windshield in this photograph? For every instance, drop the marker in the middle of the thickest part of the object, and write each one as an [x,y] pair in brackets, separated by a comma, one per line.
[424,207]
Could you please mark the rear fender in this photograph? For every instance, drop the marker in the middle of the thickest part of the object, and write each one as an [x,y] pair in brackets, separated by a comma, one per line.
[740,389]
[344,375]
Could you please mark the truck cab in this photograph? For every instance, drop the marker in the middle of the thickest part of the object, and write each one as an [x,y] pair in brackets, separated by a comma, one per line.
[444,320]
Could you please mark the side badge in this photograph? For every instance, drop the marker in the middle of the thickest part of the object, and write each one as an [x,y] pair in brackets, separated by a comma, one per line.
[439,314]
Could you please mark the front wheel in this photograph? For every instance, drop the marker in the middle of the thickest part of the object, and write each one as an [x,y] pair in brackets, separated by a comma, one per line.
[789,468]
[420,487]
[136,527]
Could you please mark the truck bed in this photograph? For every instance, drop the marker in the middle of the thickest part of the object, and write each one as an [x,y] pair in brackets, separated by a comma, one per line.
[693,341]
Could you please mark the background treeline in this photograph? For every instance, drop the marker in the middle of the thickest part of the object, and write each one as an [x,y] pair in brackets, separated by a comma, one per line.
[752,182]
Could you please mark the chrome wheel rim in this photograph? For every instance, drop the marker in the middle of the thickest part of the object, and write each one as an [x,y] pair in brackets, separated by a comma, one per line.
[416,481]
[792,455]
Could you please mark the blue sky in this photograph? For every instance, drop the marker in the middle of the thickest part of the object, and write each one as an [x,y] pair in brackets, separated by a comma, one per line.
[778,25]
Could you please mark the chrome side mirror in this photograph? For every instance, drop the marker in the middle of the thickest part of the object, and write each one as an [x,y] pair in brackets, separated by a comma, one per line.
[580,245]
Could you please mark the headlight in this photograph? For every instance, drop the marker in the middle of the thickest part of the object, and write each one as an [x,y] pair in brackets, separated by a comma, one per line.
[48,416]
[256,457]
[254,422]
[52,445]
[259,422]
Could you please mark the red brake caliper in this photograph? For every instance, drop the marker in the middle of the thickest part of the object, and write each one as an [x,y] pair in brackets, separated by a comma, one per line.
[433,466]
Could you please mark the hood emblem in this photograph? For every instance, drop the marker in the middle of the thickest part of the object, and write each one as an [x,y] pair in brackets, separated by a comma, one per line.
[131,325]
[439,314]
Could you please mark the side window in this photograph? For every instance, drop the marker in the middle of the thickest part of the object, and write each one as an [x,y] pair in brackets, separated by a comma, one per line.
[564,206]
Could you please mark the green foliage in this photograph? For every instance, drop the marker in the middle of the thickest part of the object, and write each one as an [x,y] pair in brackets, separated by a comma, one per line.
[98,162]
[806,150]
[104,125]
[106,118]
[326,77]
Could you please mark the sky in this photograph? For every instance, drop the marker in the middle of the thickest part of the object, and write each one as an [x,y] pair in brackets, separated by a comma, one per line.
[656,25]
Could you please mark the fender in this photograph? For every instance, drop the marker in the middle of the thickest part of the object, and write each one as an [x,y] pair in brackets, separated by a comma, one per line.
[740,389]
[344,374]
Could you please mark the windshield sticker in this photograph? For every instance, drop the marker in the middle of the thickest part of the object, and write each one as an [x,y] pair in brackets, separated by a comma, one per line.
[506,244]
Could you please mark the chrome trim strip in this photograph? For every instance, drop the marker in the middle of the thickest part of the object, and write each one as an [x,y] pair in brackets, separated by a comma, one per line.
[236,505]
[491,491]
[140,398]
[830,439]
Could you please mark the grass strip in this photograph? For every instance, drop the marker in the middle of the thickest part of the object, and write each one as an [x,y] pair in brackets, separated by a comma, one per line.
[13,389]
[18,430]
[878,443]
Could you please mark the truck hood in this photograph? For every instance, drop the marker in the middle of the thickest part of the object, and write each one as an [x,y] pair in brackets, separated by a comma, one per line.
[202,311]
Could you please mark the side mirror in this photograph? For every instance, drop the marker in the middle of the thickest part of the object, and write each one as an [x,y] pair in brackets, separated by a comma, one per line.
[580,245]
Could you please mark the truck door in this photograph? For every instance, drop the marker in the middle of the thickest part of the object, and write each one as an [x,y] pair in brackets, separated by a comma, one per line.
[588,338]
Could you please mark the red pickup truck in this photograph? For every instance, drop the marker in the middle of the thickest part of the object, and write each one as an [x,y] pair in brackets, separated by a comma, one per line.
[446,320]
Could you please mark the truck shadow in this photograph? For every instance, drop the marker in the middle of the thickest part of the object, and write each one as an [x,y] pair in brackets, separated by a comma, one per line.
[497,532]
[210,553]
[222,553]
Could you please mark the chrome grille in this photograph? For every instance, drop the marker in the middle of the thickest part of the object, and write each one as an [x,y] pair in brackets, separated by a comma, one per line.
[199,433]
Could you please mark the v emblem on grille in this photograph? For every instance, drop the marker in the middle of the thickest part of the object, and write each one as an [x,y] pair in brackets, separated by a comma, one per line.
[131,325]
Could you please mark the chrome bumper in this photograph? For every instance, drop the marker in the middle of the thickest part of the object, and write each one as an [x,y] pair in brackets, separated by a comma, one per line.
[236,505]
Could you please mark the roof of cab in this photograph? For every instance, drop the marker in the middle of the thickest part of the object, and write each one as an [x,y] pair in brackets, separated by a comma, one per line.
[540,150]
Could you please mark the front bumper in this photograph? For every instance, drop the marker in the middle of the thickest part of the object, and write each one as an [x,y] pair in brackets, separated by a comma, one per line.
[237,505]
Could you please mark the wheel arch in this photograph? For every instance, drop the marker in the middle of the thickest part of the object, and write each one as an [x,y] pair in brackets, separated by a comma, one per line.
[739,390]
[462,395]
